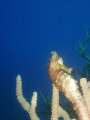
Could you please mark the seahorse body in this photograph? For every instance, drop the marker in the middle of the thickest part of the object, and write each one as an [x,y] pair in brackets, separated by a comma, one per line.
[67,85]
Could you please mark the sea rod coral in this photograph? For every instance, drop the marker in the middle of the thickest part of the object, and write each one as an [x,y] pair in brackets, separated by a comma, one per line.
[63,82]
[83,53]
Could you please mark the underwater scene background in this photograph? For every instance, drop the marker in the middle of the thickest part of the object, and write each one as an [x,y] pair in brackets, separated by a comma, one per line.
[29,31]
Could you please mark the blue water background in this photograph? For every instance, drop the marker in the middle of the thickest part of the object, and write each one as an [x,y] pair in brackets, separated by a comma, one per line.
[29,31]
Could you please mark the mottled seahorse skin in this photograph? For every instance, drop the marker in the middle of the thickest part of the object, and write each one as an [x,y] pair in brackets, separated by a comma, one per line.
[65,83]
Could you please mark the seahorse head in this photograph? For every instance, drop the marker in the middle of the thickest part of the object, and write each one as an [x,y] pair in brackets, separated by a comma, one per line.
[56,61]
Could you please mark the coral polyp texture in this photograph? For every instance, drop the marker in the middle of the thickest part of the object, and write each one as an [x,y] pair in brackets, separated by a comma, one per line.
[63,82]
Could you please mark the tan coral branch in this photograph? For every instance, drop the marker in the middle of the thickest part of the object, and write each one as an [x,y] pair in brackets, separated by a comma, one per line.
[86,91]
[26,105]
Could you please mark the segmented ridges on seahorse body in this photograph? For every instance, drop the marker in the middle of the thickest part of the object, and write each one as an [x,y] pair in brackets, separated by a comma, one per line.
[68,86]
[65,83]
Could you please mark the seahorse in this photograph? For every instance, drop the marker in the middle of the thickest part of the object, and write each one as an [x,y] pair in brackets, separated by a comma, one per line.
[58,73]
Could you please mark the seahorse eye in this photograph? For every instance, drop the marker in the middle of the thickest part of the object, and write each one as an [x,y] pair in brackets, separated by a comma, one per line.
[60,61]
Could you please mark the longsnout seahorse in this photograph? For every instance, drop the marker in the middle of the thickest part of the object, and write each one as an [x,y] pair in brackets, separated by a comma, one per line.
[66,84]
